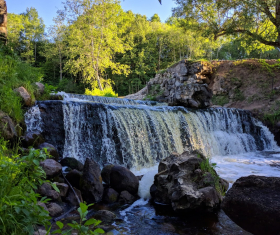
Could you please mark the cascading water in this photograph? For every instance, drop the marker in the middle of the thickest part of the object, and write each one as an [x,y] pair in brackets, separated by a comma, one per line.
[33,119]
[140,135]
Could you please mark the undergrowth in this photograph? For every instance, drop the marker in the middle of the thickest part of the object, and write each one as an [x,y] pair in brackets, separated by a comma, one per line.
[19,178]
[220,100]
[107,92]
[13,74]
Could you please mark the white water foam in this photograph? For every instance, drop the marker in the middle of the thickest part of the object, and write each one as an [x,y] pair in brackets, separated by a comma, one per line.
[33,119]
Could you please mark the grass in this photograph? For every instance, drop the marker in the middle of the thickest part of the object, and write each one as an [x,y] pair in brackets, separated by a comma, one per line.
[13,74]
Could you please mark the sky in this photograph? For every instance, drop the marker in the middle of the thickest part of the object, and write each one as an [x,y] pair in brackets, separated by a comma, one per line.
[47,8]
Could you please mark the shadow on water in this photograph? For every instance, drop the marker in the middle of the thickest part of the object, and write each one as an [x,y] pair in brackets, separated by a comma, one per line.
[154,219]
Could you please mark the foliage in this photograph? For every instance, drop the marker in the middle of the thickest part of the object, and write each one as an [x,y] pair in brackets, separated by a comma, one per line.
[107,91]
[83,227]
[13,74]
[238,95]
[220,100]
[254,21]
[19,178]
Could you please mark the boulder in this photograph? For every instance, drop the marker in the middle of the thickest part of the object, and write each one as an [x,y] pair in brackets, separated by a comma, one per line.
[50,149]
[72,163]
[110,195]
[40,87]
[126,198]
[72,199]
[184,184]
[46,190]
[33,139]
[91,182]
[253,203]
[51,167]
[26,98]
[122,179]
[105,216]
[74,178]
[41,204]
[54,209]
[7,126]
[105,173]
[63,188]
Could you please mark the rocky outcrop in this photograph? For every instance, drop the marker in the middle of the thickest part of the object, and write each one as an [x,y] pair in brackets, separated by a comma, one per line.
[187,182]
[26,98]
[63,189]
[110,195]
[183,84]
[253,203]
[91,182]
[46,190]
[54,209]
[40,88]
[126,198]
[122,179]
[51,167]
[3,21]
[7,126]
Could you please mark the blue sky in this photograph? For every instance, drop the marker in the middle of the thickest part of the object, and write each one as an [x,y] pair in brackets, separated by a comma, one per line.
[47,8]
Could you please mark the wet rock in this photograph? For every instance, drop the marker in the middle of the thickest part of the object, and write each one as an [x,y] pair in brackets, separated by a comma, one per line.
[105,216]
[72,163]
[91,182]
[40,87]
[46,190]
[126,198]
[139,177]
[50,149]
[74,177]
[253,203]
[51,167]
[122,179]
[32,139]
[7,126]
[110,195]
[105,173]
[63,188]
[183,184]
[26,98]
[72,199]
[54,209]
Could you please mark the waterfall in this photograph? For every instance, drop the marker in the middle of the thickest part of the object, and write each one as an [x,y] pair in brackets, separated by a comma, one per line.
[33,119]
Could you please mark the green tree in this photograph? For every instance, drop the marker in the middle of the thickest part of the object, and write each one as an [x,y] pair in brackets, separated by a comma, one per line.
[255,20]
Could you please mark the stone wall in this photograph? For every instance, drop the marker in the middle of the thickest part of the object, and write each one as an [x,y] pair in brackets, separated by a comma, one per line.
[184,84]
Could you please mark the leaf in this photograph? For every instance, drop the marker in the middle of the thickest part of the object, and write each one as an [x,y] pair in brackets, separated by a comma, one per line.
[83,207]
[59,224]
[36,162]
[57,231]
[90,222]
[98,230]
[55,187]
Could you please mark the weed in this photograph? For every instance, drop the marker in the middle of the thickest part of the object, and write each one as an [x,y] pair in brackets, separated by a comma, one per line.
[238,95]
[83,227]
[220,100]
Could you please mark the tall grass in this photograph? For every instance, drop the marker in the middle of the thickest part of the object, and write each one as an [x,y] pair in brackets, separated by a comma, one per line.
[15,73]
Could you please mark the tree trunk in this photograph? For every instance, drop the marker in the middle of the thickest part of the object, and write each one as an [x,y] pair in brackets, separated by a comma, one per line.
[60,64]
[3,21]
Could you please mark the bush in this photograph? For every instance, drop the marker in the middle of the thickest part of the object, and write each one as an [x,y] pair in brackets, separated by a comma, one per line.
[19,178]
[108,92]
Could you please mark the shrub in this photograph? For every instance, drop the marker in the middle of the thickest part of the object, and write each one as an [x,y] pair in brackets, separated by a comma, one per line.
[108,92]
[19,178]
[220,100]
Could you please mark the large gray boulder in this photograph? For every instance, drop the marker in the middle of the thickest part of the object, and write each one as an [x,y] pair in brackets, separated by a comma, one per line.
[187,182]
[51,167]
[122,179]
[7,126]
[253,203]
[91,182]
[46,190]
[33,138]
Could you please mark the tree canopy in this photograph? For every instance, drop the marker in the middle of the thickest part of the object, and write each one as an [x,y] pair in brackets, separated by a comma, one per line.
[255,20]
